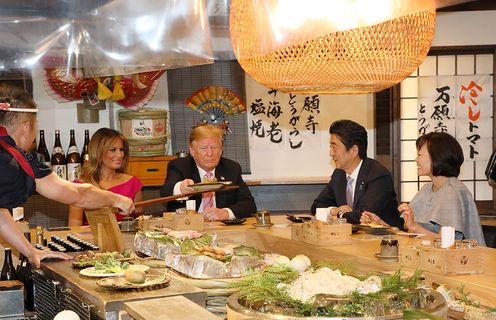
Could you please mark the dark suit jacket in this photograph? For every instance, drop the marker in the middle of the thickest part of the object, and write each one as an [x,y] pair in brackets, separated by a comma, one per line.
[374,192]
[240,201]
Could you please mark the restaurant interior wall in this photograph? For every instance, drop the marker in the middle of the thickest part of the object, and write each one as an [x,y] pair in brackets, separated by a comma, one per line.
[475,29]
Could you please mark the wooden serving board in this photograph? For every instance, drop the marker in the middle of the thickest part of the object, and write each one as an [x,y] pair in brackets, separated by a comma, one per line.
[170,308]
[105,230]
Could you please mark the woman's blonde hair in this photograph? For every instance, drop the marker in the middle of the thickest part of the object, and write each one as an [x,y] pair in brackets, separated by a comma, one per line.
[17,98]
[206,131]
[101,142]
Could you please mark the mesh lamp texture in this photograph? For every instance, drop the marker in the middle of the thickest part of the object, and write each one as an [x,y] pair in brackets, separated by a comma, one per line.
[360,60]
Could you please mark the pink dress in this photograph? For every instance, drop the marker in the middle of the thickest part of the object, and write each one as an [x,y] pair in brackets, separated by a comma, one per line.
[127,189]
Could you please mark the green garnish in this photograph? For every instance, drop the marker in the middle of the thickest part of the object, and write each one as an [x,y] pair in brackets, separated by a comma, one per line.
[262,291]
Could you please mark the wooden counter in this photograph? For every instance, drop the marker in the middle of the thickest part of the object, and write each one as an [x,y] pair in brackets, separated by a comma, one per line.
[360,255]
[107,303]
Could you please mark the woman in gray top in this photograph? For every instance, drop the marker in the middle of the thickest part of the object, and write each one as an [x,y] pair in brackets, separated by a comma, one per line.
[445,201]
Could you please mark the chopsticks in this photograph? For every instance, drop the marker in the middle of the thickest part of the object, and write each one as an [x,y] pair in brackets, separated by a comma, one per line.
[184,195]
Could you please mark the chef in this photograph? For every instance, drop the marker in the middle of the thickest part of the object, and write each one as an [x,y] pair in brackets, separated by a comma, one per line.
[22,172]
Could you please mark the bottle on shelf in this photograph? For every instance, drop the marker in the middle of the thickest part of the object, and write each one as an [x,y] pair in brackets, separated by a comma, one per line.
[58,158]
[42,148]
[73,160]
[84,153]
[8,270]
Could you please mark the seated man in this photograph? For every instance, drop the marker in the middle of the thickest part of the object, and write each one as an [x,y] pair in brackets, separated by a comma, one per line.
[206,164]
[358,183]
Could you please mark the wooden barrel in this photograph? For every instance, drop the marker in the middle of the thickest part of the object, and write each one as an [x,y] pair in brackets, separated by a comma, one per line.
[145,123]
[146,131]
[147,147]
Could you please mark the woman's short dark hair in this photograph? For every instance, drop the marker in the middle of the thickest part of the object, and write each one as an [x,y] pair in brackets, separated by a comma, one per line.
[445,152]
[351,133]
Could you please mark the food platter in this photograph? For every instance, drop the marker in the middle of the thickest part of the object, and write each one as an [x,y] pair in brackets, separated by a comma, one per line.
[91,272]
[202,186]
[120,283]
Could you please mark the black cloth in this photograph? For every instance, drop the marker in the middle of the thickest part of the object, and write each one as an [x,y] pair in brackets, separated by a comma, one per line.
[374,192]
[240,201]
[15,184]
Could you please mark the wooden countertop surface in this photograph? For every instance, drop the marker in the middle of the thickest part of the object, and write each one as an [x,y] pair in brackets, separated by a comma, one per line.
[106,300]
[359,254]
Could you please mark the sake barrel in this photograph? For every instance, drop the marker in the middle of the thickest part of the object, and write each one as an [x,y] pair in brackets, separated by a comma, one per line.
[145,129]
[144,123]
[147,147]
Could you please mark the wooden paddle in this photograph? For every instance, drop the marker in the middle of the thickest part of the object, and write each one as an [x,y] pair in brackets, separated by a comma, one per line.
[184,195]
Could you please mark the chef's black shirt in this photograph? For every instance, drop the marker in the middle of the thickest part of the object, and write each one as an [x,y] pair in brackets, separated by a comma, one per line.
[15,184]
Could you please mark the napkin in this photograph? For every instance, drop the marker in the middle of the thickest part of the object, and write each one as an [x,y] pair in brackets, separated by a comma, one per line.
[321,214]
[447,237]
[191,205]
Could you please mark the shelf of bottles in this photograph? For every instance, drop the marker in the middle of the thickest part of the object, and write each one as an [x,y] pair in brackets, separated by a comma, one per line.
[66,166]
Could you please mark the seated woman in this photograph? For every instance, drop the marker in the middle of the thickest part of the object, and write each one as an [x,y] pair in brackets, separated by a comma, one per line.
[108,155]
[445,201]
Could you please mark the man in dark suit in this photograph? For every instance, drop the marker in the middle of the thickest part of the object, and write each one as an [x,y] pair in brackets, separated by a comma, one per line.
[205,163]
[358,184]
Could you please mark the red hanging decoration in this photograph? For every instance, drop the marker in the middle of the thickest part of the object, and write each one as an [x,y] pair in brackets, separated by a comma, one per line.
[133,91]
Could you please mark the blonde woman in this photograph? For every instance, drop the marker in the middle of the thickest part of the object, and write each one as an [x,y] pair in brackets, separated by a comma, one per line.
[108,152]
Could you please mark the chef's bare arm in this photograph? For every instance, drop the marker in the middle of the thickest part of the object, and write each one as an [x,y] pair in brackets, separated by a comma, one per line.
[81,195]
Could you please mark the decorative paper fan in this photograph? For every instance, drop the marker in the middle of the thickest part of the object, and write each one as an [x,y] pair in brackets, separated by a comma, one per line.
[216,103]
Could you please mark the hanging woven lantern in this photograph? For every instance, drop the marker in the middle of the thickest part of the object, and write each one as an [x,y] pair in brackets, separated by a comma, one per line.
[320,58]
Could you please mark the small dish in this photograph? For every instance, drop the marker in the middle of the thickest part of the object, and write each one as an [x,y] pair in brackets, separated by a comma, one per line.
[262,226]
[296,219]
[91,272]
[234,221]
[386,258]
[383,230]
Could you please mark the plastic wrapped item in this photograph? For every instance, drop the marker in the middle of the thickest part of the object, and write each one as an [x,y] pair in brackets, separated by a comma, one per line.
[105,37]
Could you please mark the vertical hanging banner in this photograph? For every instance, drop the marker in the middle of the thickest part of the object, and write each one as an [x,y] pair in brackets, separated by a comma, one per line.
[289,133]
[460,106]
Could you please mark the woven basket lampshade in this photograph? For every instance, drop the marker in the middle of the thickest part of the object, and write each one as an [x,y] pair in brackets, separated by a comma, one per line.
[358,60]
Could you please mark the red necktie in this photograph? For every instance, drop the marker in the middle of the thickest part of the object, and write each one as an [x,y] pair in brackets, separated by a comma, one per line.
[208,197]
[15,153]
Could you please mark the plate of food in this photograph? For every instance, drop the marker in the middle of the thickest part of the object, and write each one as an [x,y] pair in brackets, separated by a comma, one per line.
[234,221]
[89,259]
[375,228]
[95,273]
[209,185]
[121,283]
